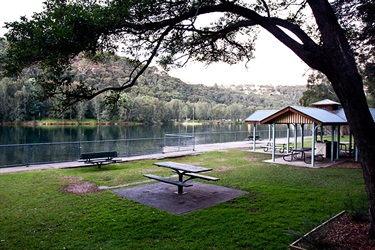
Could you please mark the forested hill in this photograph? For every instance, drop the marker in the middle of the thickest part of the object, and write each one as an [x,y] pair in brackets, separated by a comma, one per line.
[161,85]
[156,97]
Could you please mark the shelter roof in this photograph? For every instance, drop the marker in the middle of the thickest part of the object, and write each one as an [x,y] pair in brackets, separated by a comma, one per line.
[304,115]
[372,111]
[259,116]
[326,102]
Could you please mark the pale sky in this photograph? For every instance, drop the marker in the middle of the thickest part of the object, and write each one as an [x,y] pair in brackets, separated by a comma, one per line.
[273,64]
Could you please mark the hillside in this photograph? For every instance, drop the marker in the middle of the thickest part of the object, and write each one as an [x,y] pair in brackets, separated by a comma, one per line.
[156,96]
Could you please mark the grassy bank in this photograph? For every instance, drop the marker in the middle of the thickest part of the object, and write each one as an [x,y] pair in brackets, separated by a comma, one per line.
[37,214]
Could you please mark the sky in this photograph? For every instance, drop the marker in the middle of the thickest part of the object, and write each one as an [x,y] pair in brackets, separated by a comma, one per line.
[274,63]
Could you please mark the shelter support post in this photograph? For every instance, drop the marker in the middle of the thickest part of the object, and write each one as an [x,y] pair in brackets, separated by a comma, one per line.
[273,142]
[350,143]
[287,138]
[332,142]
[313,144]
[254,136]
[338,143]
[295,135]
[269,132]
[302,134]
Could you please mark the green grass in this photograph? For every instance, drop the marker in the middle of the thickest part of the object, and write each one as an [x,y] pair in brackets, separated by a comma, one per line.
[36,214]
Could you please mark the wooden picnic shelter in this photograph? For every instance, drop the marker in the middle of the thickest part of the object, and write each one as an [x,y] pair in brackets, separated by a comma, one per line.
[325,113]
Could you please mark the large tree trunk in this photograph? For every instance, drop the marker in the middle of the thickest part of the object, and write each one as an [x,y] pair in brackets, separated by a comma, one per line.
[335,59]
[362,126]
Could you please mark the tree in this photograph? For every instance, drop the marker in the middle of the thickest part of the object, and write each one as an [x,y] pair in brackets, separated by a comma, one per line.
[171,33]
[318,88]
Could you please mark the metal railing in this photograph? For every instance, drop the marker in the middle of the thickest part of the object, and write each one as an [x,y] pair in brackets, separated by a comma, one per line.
[41,153]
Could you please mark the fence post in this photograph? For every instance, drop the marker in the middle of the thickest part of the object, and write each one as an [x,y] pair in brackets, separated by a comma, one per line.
[26,155]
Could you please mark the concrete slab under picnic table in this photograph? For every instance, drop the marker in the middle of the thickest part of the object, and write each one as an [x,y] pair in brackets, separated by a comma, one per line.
[162,196]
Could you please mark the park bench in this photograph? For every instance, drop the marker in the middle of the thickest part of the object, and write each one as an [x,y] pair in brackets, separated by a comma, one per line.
[292,156]
[200,176]
[183,170]
[251,138]
[99,158]
[167,180]
[317,157]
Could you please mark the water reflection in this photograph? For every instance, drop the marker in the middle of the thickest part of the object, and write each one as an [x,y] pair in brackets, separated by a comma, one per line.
[43,134]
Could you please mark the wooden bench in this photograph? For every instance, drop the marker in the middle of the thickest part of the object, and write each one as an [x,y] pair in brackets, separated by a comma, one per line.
[99,158]
[167,180]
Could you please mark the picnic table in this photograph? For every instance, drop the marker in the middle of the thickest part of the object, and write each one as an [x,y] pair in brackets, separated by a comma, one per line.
[280,146]
[346,146]
[295,152]
[185,173]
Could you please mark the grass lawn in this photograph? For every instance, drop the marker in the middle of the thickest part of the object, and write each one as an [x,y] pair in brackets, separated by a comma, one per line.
[36,214]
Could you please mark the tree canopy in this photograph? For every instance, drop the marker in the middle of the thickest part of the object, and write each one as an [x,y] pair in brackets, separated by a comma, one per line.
[168,32]
[156,90]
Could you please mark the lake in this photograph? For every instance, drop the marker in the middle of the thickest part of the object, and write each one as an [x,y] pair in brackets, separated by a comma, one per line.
[25,145]
[48,134]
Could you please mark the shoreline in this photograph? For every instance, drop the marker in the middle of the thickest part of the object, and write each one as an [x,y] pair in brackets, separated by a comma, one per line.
[107,123]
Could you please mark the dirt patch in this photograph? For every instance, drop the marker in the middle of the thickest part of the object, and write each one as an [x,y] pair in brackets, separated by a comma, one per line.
[77,186]
[347,164]
[81,188]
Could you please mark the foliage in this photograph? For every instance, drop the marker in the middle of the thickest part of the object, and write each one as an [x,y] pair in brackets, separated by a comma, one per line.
[357,207]
[156,97]
[37,214]
[318,88]
[357,18]
[162,31]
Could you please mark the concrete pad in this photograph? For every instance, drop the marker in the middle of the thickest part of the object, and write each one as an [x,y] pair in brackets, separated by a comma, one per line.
[162,196]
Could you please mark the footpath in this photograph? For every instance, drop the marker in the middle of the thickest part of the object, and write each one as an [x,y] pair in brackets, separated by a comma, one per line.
[198,150]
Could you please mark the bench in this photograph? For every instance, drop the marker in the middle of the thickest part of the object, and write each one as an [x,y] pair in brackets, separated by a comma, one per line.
[99,158]
[167,180]
[205,177]
[251,138]
[317,157]
[291,154]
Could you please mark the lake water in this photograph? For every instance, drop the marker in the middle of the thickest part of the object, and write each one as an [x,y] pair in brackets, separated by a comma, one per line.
[48,134]
[22,145]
